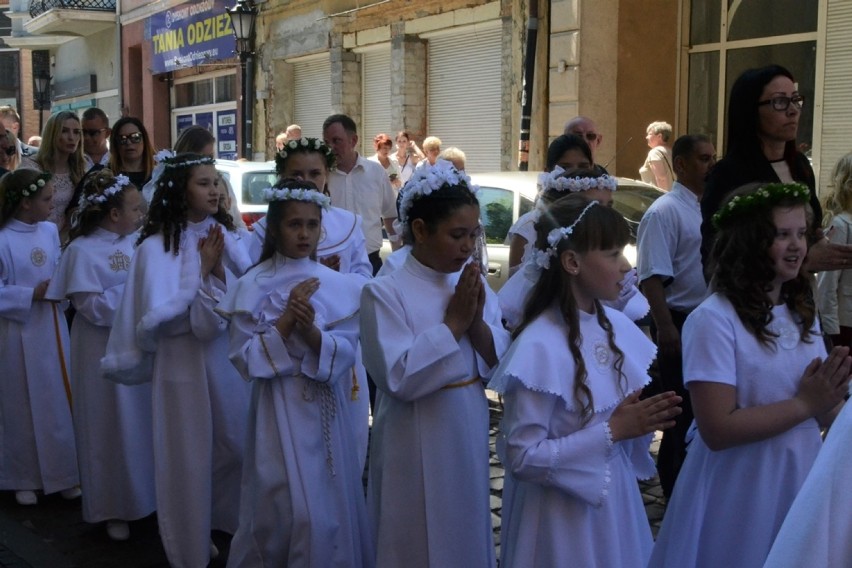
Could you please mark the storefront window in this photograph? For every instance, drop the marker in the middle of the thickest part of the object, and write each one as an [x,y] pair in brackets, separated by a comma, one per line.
[226,88]
[749,19]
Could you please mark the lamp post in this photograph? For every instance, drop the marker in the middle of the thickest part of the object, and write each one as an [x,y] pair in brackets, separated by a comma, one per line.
[42,93]
[243,17]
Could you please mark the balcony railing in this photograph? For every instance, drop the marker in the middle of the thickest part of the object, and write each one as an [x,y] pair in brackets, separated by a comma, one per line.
[38,7]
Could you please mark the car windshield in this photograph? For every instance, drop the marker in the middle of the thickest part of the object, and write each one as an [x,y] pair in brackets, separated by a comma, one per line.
[253,185]
[632,202]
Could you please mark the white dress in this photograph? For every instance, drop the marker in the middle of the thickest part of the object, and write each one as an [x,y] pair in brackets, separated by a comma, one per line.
[302,494]
[429,485]
[728,505]
[36,434]
[112,422]
[818,527]
[570,496]
[166,330]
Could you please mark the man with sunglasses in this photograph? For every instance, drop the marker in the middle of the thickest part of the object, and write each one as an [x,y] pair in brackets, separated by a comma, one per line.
[586,129]
[96,131]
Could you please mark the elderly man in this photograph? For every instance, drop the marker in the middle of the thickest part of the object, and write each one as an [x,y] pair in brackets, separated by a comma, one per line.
[672,278]
[586,129]
[360,185]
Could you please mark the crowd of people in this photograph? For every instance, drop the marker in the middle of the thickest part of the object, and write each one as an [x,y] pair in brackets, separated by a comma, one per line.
[219,376]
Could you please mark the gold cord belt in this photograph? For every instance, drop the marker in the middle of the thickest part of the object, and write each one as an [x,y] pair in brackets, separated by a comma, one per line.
[472,381]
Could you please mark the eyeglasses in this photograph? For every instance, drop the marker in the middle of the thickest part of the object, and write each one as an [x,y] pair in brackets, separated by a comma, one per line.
[134,138]
[782,103]
[93,132]
[589,136]
[10,151]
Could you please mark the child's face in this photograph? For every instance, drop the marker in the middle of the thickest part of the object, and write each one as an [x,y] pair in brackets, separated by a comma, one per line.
[38,207]
[299,229]
[130,214]
[790,246]
[308,166]
[449,247]
[573,159]
[597,274]
[202,193]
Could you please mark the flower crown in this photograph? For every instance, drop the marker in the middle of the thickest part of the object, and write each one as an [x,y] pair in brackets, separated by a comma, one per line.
[555,180]
[121,181]
[39,183]
[297,194]
[302,145]
[427,179]
[765,196]
[540,259]
[170,160]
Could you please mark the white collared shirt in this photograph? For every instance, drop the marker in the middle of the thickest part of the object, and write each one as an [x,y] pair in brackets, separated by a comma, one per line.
[365,191]
[669,244]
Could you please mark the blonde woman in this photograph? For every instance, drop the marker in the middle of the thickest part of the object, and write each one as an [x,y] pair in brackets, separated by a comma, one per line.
[835,286]
[60,154]
[657,169]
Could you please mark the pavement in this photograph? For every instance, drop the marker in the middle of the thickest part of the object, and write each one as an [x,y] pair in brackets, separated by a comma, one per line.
[52,534]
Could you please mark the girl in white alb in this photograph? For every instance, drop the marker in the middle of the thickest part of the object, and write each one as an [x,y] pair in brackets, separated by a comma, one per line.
[575,436]
[112,423]
[37,449]
[166,331]
[294,334]
[556,185]
[431,332]
[760,382]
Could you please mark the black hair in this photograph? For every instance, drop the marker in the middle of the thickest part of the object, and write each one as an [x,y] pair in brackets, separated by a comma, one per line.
[439,205]
[600,228]
[562,144]
[312,145]
[12,185]
[685,145]
[168,211]
[345,121]
[552,194]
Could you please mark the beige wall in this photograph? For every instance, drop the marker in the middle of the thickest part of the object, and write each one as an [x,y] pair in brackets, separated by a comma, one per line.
[646,83]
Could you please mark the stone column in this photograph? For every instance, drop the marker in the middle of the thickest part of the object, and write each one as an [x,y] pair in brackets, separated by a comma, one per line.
[408,82]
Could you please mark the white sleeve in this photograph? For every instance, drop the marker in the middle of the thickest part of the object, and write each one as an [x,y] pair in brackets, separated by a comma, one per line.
[98,307]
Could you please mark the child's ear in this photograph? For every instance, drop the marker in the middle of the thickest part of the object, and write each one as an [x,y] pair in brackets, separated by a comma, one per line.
[419,230]
[114,214]
[26,203]
[570,262]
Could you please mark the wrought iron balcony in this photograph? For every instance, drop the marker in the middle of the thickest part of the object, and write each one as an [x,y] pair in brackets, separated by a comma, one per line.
[38,7]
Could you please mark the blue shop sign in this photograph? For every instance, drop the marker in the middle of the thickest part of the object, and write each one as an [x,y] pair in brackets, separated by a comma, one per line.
[190,34]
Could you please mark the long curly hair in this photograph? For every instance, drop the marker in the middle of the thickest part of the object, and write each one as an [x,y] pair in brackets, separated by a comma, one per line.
[88,219]
[168,212]
[743,271]
[601,228]
[839,198]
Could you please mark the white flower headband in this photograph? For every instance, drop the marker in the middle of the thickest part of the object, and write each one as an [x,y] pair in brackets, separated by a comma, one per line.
[427,179]
[39,183]
[297,194]
[121,181]
[304,142]
[540,259]
[556,181]
[168,159]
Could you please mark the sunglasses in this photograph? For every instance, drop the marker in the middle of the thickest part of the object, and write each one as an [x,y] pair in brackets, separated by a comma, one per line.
[781,103]
[134,138]
[589,136]
[10,151]
[93,132]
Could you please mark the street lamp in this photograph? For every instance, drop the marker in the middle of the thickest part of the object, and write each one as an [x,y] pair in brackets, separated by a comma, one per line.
[243,16]
[42,93]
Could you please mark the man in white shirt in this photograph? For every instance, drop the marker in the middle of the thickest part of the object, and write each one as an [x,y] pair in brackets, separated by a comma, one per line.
[361,186]
[672,278]
[95,126]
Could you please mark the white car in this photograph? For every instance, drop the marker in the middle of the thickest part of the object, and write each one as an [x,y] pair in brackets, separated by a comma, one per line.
[506,196]
[248,180]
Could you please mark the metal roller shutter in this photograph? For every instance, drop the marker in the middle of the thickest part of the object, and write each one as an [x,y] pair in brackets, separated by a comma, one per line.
[312,90]
[464,101]
[837,104]
[376,86]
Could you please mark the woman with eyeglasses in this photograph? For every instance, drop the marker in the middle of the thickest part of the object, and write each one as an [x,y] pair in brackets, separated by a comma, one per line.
[763,121]
[60,154]
[131,152]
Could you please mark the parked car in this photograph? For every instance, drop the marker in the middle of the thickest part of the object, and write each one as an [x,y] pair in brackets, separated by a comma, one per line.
[505,196]
[249,179]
